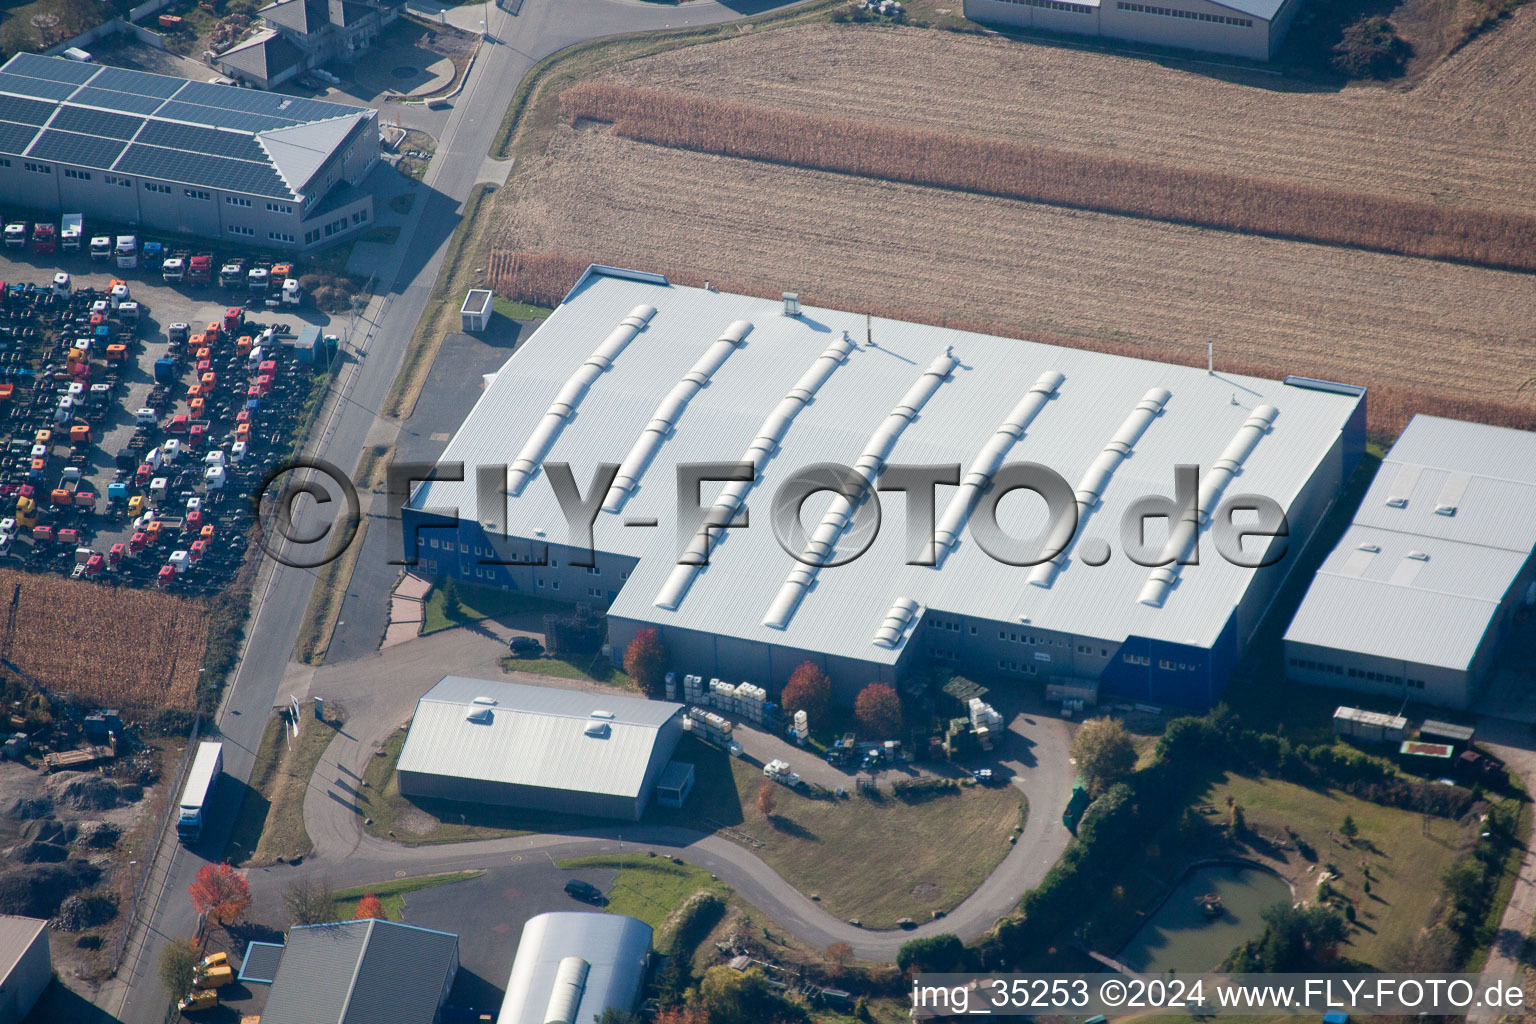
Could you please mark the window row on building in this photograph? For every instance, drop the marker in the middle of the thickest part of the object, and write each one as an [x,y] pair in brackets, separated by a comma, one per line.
[1355,673]
[1173,12]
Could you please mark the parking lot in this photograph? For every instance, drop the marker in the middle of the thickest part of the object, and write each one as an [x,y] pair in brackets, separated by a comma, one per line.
[125,451]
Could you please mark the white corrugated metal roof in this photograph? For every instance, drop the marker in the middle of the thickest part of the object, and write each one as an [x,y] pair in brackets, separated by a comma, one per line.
[533,736]
[16,937]
[1439,538]
[613,946]
[838,416]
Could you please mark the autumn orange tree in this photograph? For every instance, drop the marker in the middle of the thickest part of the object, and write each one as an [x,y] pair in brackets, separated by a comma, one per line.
[221,892]
[645,659]
[767,800]
[877,710]
[369,906]
[809,690]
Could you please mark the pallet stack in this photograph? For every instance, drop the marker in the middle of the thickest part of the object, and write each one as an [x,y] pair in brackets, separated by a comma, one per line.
[801,730]
[708,726]
[986,723]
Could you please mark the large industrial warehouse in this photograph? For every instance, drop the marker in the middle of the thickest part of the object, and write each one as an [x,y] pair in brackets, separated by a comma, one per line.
[538,747]
[1427,580]
[163,153]
[1240,28]
[633,371]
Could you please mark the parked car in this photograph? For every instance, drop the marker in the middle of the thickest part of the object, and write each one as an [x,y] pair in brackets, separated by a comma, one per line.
[584,891]
[525,647]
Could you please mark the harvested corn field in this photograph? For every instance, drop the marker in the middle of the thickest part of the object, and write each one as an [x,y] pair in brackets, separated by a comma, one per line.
[1118,284]
[1463,136]
[1112,184]
[1426,335]
[112,646]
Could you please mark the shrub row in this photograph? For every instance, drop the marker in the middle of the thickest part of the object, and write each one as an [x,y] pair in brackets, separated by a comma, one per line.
[1121,185]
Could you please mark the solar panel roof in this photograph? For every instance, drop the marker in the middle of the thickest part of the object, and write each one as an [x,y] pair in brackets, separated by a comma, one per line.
[139,82]
[197,133]
[202,140]
[202,169]
[14,137]
[96,122]
[71,147]
[51,68]
[35,86]
[95,97]
[243,122]
[25,111]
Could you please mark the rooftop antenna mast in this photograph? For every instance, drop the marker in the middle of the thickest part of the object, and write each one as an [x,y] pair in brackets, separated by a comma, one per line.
[869,330]
[1210,357]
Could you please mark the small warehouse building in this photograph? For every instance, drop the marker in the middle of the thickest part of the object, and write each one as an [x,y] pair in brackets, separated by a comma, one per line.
[363,972]
[1431,574]
[195,158]
[475,314]
[1239,28]
[26,966]
[538,747]
[571,967]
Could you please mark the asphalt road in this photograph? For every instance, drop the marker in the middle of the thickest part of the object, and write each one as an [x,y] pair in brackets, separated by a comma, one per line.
[378,343]
[379,693]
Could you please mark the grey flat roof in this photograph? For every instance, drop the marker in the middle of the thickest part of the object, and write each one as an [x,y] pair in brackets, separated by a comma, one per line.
[613,946]
[158,126]
[975,403]
[534,736]
[1435,545]
[361,972]
[261,962]
[16,936]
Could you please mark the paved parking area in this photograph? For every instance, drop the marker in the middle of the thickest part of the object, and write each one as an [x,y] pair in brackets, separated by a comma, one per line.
[164,305]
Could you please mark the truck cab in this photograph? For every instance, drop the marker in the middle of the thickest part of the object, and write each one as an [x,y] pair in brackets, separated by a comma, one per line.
[200,268]
[232,274]
[127,251]
[173,269]
[44,238]
[16,234]
[73,228]
[153,255]
[101,247]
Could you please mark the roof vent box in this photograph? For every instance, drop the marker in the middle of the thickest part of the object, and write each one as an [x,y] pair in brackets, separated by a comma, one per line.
[602,714]
[486,701]
[791,303]
[480,716]
[597,730]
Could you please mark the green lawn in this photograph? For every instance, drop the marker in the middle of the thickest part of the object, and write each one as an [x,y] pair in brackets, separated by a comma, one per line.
[481,603]
[1404,852]
[392,893]
[595,671]
[519,310]
[648,887]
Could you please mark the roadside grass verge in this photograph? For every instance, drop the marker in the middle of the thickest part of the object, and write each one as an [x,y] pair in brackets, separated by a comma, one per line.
[274,809]
[434,324]
[392,892]
[648,887]
[333,578]
[1508,876]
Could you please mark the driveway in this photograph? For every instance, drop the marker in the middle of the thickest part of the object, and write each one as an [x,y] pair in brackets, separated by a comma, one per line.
[379,693]
[1513,743]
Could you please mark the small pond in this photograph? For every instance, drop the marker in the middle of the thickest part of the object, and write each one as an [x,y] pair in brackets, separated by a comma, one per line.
[1181,937]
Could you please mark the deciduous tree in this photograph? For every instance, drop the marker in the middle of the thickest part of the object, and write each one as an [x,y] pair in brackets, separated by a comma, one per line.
[310,902]
[877,710]
[1104,753]
[809,690]
[645,659]
[767,800]
[178,965]
[369,906]
[221,892]
[838,956]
